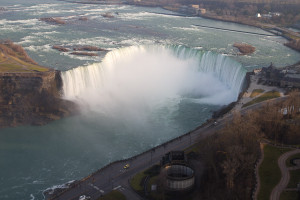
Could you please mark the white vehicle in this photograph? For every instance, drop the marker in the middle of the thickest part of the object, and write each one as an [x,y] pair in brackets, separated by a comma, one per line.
[84,197]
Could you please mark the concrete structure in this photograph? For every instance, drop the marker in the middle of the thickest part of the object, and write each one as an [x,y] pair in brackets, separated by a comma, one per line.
[178,175]
[290,80]
[192,10]
[174,157]
[180,178]
[278,77]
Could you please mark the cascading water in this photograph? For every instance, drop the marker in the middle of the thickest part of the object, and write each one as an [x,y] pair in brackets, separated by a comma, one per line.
[140,77]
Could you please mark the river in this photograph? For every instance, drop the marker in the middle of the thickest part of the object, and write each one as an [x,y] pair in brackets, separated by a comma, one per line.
[163,76]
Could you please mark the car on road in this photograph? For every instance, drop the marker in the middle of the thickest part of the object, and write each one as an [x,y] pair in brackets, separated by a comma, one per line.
[126,166]
[84,197]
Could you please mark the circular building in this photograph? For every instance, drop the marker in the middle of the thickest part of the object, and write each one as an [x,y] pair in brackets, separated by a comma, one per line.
[179,177]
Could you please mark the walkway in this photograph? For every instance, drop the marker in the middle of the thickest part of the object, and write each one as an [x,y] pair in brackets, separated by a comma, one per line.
[114,177]
[285,175]
[257,171]
[254,85]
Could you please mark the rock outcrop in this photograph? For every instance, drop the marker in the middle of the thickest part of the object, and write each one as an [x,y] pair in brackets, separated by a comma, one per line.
[54,20]
[244,48]
[60,48]
[32,98]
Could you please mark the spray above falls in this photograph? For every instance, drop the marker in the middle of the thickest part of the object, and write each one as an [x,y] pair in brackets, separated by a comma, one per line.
[144,77]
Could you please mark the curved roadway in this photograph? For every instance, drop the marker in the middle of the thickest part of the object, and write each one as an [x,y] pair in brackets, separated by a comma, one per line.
[114,177]
[285,174]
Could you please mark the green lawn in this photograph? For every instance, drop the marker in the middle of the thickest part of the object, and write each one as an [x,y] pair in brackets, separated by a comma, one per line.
[263,97]
[18,67]
[269,171]
[289,195]
[18,63]
[137,181]
[288,161]
[113,195]
[294,178]
[256,92]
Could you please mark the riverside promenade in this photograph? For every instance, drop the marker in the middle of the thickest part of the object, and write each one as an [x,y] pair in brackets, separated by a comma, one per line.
[115,177]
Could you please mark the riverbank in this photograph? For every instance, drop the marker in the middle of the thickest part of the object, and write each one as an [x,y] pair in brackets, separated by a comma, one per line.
[292,36]
[250,20]
[29,93]
[114,177]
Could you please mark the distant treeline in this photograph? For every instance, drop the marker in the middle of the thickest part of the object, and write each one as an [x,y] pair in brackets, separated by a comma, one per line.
[257,1]
[260,7]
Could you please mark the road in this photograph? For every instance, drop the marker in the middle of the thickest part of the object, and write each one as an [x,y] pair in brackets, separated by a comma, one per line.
[285,175]
[113,176]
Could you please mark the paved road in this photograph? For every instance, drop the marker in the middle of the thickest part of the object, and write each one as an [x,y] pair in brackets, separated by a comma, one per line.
[285,175]
[113,176]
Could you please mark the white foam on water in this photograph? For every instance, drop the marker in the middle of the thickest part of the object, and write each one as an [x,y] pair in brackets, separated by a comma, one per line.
[42,48]
[32,197]
[62,186]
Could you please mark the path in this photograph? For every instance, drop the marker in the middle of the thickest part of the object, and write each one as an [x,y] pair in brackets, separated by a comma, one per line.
[254,85]
[257,172]
[113,176]
[285,175]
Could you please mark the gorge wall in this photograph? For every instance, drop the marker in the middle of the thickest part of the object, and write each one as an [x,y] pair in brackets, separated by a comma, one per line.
[32,98]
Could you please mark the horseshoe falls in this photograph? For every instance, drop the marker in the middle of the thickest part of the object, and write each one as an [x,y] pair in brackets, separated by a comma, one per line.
[141,79]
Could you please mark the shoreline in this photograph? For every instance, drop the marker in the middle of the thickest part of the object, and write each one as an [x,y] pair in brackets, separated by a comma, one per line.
[276,30]
[107,179]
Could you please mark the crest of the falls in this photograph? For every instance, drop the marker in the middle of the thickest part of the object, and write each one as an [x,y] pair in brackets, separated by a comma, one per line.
[141,77]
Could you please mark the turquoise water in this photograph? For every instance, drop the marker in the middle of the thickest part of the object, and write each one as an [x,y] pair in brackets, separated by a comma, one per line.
[33,159]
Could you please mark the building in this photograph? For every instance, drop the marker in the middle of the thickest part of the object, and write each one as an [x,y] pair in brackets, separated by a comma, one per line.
[278,77]
[174,157]
[179,176]
[290,81]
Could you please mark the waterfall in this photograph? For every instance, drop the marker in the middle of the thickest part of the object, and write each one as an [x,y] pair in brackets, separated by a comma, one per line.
[140,75]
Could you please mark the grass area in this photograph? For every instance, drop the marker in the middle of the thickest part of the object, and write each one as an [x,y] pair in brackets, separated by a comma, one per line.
[137,181]
[16,65]
[256,92]
[113,195]
[263,97]
[269,171]
[294,178]
[193,148]
[288,161]
[289,195]
[13,58]
[154,194]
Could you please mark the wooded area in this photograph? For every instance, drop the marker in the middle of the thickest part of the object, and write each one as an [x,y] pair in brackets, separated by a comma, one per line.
[230,155]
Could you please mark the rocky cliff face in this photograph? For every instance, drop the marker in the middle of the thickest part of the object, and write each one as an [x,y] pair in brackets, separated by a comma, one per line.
[32,98]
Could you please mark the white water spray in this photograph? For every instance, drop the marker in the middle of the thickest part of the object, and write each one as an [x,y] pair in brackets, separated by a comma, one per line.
[139,78]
